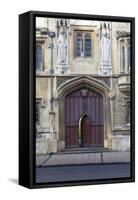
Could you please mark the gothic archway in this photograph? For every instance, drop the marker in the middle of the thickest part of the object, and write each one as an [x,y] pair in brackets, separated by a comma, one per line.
[97,97]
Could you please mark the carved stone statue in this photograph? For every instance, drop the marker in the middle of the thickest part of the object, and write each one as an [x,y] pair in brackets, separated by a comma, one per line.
[62,47]
[105,48]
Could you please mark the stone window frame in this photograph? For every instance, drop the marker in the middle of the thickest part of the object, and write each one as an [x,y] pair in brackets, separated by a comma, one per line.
[84,33]
[124,43]
[40,43]
[128,60]
[39,102]
[128,111]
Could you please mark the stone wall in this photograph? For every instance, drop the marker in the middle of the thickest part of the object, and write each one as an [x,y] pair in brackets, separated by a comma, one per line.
[49,140]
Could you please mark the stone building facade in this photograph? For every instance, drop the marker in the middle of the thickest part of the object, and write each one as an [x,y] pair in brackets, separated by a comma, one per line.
[82,85]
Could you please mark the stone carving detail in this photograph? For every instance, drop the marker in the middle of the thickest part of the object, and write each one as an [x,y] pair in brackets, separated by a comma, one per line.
[61,80]
[114,82]
[122,34]
[105,49]
[106,81]
[62,47]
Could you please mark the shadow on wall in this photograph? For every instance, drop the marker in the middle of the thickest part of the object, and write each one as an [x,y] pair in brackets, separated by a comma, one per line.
[13,180]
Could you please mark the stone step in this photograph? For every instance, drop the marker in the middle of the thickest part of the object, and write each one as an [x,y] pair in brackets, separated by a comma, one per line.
[84,150]
[86,158]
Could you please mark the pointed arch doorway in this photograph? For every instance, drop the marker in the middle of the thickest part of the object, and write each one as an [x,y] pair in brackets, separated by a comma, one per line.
[84,96]
[84,125]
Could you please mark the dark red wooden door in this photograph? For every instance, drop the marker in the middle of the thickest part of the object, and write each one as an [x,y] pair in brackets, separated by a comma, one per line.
[85,132]
[87,103]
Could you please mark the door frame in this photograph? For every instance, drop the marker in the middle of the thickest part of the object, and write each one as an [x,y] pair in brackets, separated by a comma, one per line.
[80,125]
[94,85]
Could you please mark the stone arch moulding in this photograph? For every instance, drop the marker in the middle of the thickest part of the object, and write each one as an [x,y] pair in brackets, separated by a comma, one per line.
[94,85]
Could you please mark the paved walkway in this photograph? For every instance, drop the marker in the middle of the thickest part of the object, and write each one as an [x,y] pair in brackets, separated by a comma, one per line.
[58,159]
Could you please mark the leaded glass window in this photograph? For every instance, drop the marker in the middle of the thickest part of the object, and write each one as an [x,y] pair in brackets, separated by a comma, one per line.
[79,45]
[128,59]
[37,110]
[125,55]
[122,56]
[38,56]
[83,44]
[88,45]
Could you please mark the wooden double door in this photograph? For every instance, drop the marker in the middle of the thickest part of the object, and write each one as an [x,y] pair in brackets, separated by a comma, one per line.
[84,119]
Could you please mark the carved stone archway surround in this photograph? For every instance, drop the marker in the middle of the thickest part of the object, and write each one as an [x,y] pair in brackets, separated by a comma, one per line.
[94,85]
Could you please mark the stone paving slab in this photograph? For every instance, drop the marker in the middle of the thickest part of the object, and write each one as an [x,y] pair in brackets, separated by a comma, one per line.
[40,159]
[82,158]
[73,159]
[115,157]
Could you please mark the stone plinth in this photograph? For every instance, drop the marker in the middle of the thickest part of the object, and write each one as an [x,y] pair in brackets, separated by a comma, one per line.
[121,143]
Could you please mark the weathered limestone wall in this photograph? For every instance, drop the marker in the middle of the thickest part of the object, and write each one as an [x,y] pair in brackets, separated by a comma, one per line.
[49,141]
